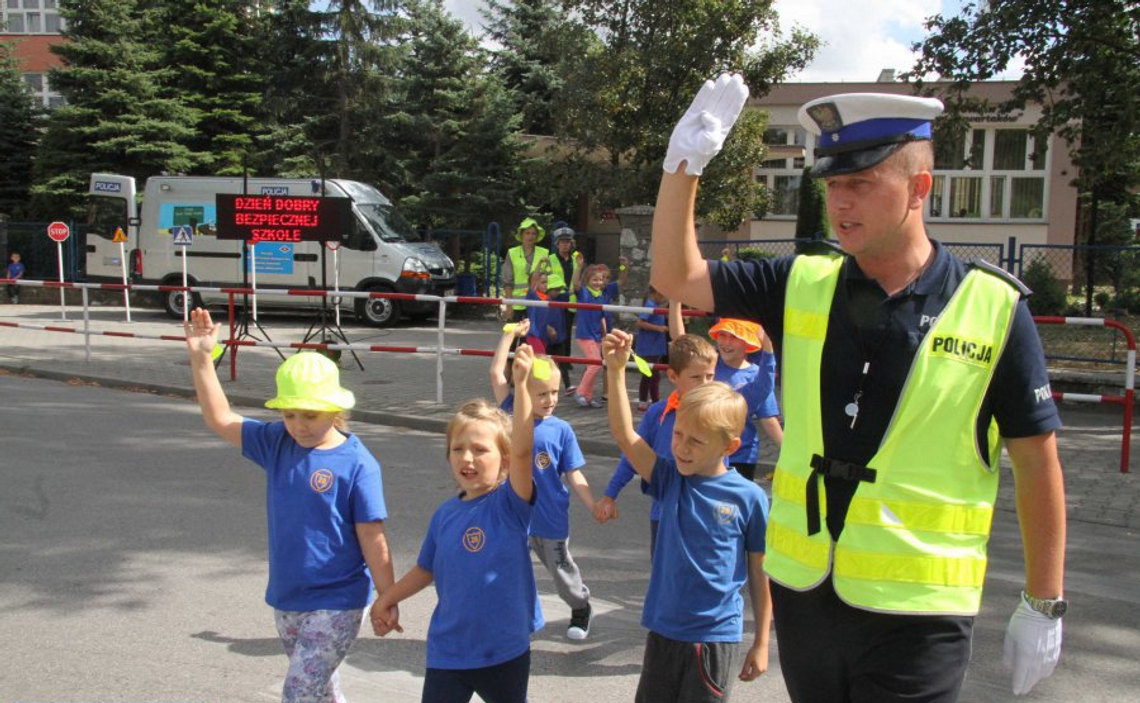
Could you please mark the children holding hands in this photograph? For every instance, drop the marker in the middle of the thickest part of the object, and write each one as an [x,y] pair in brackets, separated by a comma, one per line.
[475,552]
[326,509]
[710,542]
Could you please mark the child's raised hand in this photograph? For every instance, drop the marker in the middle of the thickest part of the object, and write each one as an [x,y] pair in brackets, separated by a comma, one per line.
[623,261]
[517,329]
[201,332]
[616,348]
[524,360]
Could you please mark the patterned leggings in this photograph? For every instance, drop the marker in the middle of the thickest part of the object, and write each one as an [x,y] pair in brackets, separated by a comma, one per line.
[316,642]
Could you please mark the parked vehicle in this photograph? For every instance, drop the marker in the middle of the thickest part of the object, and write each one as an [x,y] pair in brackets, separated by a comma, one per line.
[378,250]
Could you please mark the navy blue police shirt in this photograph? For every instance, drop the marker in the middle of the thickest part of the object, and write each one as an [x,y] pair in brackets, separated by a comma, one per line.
[865,324]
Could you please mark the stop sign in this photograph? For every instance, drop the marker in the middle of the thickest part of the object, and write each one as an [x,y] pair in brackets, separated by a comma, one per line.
[58,231]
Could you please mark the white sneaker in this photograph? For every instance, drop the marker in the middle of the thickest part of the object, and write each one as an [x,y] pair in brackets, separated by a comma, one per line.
[579,623]
[581,401]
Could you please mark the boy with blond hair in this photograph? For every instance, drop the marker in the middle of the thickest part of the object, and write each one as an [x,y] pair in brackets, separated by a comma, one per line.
[692,363]
[558,462]
[710,543]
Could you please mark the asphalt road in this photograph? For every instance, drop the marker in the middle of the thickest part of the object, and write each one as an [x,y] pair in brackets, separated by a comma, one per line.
[132,568]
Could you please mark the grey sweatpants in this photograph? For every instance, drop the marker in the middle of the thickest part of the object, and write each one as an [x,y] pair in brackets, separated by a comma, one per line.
[555,556]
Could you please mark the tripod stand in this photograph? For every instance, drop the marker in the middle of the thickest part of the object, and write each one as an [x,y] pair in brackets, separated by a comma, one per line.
[323,328]
[241,328]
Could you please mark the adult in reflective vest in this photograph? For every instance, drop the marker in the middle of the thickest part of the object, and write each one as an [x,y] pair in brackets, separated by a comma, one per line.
[904,370]
[565,266]
[520,261]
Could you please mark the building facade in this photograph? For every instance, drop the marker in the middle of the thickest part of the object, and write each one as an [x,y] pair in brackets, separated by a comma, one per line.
[993,184]
[32,27]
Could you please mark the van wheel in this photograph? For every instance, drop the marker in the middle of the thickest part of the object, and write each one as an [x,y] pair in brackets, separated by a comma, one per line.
[173,301]
[378,312]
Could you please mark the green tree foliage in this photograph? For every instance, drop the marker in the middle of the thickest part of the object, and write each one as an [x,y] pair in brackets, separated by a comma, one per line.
[209,54]
[118,115]
[536,39]
[1082,67]
[452,128]
[811,217]
[18,128]
[1049,296]
[623,96]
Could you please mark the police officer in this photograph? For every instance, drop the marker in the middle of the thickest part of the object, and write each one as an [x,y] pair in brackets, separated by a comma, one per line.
[904,371]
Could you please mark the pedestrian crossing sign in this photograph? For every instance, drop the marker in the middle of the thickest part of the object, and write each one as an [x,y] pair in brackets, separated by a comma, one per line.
[120,236]
[183,236]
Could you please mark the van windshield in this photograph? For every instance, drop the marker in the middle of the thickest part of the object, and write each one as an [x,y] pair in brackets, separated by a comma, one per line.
[387,221]
[379,213]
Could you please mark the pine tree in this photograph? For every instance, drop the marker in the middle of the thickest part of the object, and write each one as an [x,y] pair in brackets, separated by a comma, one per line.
[811,217]
[117,117]
[209,50]
[19,128]
[536,41]
[452,128]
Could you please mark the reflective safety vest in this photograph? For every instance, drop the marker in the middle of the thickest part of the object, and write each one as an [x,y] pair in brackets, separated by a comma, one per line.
[915,533]
[520,271]
[557,277]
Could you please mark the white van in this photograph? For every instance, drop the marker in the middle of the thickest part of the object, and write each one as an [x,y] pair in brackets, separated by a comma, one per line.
[378,252]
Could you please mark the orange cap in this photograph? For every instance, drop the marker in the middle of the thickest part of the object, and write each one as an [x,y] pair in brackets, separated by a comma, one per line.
[745,331]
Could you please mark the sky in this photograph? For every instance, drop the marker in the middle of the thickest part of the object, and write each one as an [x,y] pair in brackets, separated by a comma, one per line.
[860,38]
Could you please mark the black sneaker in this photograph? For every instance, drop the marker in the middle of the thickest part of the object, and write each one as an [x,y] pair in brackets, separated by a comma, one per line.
[579,623]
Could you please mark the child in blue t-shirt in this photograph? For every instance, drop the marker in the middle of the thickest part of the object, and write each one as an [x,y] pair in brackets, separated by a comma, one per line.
[651,344]
[692,363]
[558,461]
[590,325]
[543,320]
[325,502]
[14,271]
[710,543]
[475,552]
[736,342]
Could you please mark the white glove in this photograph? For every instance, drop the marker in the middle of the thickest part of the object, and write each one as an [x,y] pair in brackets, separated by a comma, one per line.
[1032,647]
[701,132]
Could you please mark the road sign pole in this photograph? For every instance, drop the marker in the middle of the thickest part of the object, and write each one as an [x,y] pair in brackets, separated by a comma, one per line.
[62,301]
[336,283]
[185,290]
[253,275]
[126,290]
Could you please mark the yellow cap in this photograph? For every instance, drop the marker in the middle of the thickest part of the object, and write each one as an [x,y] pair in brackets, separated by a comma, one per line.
[310,381]
[745,331]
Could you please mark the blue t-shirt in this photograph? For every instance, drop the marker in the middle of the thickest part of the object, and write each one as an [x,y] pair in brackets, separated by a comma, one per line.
[589,322]
[756,382]
[658,434]
[477,553]
[15,270]
[556,453]
[709,525]
[541,318]
[314,498]
[649,342]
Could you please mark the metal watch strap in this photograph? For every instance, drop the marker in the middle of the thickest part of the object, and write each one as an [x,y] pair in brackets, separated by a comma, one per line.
[1049,607]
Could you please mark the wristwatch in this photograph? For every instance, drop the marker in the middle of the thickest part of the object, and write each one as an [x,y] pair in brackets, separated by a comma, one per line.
[1052,608]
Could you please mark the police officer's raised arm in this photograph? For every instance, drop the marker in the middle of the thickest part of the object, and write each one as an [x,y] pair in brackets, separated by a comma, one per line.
[679,271]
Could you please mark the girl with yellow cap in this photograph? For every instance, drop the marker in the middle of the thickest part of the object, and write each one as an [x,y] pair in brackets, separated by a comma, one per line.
[325,502]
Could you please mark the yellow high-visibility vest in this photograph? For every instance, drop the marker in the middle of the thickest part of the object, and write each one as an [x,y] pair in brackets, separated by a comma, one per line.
[520,271]
[557,277]
[914,538]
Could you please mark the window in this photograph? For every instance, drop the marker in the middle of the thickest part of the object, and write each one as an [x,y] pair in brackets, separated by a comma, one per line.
[965,197]
[786,195]
[961,153]
[35,81]
[1027,198]
[26,17]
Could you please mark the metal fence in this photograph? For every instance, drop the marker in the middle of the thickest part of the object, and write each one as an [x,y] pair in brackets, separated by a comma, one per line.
[38,253]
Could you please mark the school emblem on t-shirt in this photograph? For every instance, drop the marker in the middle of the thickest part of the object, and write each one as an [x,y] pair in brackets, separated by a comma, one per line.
[321,480]
[542,461]
[474,539]
[725,512]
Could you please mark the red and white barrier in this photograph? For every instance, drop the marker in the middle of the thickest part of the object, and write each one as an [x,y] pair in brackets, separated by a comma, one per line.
[1127,400]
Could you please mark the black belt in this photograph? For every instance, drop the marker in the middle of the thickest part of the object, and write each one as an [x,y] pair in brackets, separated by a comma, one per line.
[831,468]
